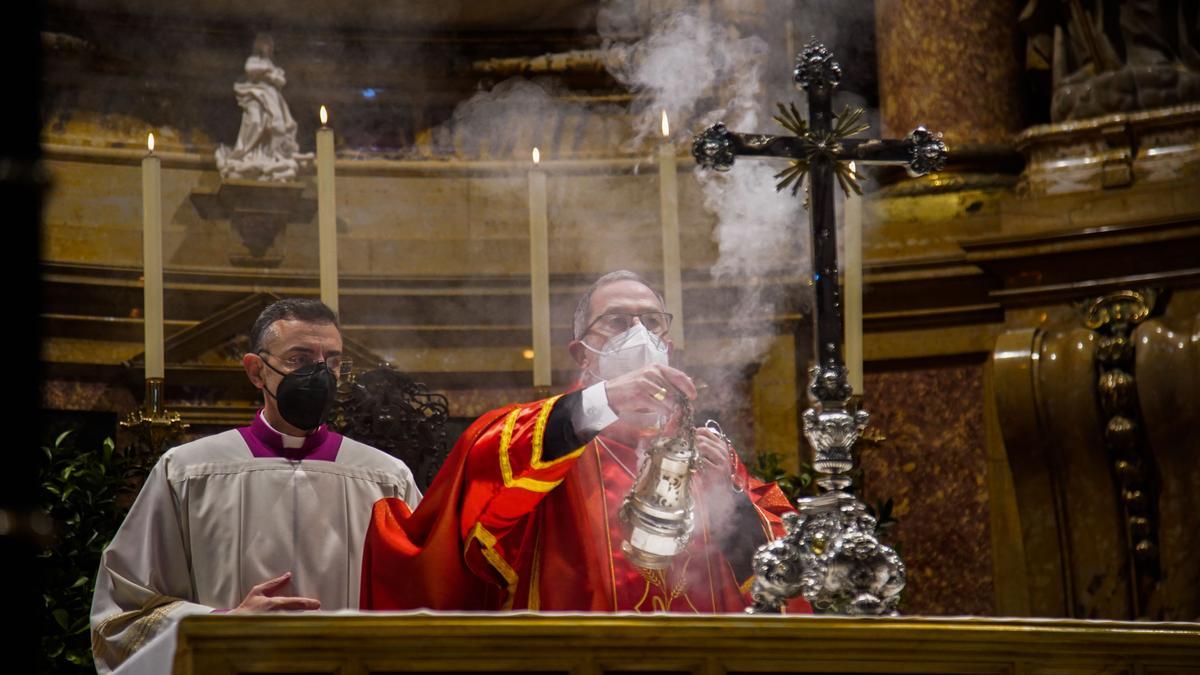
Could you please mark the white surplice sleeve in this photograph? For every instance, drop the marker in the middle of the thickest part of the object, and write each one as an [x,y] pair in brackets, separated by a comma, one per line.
[145,581]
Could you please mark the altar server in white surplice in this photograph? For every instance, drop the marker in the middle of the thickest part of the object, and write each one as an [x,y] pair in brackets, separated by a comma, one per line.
[268,517]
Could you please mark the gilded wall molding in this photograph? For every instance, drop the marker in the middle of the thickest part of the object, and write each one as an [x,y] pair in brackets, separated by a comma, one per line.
[1113,318]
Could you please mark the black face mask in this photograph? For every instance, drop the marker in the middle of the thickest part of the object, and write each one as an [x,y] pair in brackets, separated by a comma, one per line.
[305,395]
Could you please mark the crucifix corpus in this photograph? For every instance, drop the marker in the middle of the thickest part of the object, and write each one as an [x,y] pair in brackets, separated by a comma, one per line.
[830,554]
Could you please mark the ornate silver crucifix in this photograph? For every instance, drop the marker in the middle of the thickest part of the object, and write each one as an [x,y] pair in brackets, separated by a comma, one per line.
[830,554]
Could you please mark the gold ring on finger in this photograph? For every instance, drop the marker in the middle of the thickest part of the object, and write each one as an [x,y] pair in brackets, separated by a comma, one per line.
[660,395]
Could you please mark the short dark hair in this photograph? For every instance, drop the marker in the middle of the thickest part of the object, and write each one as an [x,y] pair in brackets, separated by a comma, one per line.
[583,310]
[310,310]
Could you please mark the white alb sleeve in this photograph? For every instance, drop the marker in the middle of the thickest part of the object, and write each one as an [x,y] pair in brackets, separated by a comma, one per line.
[594,413]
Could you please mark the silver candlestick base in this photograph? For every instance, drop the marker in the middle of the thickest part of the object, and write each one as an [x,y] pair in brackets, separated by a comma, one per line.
[830,554]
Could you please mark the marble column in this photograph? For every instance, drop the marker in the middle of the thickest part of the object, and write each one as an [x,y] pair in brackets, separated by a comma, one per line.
[952,66]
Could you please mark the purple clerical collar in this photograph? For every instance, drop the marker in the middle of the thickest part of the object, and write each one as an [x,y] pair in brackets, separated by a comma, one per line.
[265,442]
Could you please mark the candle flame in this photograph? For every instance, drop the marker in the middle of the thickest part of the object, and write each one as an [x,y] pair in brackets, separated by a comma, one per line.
[324,116]
[852,169]
[537,156]
[150,142]
[666,128]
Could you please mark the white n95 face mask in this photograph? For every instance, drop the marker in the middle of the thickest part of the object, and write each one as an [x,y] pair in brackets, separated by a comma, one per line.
[633,349]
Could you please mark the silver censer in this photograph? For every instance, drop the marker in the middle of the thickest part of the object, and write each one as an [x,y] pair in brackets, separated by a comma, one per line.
[830,554]
[657,513]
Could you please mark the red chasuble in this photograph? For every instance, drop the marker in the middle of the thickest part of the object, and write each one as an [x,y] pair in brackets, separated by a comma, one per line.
[502,528]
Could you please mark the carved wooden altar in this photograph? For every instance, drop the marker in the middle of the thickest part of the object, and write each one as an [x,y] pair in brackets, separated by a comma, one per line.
[593,644]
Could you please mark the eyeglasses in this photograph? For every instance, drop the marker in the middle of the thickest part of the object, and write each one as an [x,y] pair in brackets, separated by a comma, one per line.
[615,323]
[339,365]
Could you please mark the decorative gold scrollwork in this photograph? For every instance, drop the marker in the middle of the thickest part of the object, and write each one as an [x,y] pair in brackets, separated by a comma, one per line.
[1122,307]
[1114,317]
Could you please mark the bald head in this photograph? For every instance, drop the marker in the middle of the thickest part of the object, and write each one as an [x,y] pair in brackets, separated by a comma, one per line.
[620,291]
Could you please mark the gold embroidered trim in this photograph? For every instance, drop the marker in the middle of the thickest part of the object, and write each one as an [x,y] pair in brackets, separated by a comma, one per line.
[539,433]
[747,584]
[140,624]
[487,546]
[535,459]
[506,473]
[535,578]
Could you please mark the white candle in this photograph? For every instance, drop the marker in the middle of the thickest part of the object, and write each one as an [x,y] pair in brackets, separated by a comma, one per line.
[152,266]
[539,273]
[669,214]
[852,289]
[327,214]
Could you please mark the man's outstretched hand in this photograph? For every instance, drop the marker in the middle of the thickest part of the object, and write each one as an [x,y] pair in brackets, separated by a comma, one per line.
[262,598]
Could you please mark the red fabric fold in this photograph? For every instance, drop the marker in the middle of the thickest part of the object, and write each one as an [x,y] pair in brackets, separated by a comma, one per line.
[501,528]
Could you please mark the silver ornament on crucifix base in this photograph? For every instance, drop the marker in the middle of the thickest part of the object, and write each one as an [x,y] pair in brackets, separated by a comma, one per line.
[830,554]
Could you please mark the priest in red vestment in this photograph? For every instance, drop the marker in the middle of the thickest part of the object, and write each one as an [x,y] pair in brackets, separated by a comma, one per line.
[524,513]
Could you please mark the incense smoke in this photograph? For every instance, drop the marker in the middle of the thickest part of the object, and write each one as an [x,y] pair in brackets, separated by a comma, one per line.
[704,68]
[702,63]
[508,120]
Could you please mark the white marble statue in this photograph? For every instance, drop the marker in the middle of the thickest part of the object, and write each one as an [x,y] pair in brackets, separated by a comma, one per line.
[266,144]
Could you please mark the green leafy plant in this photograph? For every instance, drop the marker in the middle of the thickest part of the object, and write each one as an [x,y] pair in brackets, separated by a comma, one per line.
[86,493]
[768,467]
